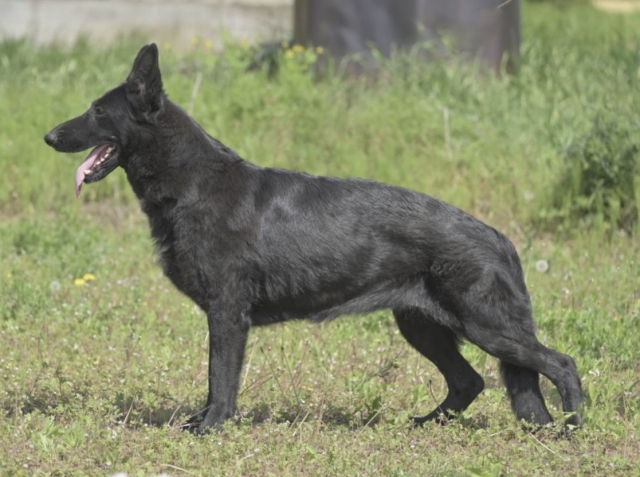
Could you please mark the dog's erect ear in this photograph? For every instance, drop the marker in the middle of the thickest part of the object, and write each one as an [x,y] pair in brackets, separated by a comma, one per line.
[144,83]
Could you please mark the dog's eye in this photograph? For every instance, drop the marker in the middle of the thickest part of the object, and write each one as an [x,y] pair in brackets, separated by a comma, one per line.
[98,111]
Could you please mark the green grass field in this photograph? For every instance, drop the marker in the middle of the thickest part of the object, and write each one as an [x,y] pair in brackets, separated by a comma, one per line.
[101,359]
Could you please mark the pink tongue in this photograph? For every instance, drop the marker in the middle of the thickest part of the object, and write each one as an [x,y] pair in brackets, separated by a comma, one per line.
[87,164]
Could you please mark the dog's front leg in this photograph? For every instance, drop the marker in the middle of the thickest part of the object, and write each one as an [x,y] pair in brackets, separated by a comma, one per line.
[228,331]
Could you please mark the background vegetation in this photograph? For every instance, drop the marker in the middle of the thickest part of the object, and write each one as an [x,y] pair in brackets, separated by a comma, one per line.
[101,359]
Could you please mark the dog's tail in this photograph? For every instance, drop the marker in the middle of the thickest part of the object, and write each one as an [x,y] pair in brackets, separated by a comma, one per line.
[523,388]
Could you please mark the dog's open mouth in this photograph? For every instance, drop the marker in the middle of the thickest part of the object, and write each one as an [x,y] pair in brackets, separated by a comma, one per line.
[98,164]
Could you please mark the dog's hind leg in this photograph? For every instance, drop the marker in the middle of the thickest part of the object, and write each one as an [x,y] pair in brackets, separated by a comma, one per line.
[512,340]
[440,345]
[523,388]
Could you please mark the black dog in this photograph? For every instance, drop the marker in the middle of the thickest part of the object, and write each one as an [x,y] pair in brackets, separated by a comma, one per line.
[255,246]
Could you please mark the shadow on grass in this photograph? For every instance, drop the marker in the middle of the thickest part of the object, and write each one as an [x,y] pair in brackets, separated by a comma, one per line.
[329,415]
[130,411]
[187,417]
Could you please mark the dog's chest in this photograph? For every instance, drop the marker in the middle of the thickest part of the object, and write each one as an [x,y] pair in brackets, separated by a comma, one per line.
[163,232]
[188,249]
[175,264]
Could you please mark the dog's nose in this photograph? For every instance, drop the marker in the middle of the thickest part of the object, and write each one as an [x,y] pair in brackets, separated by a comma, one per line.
[50,138]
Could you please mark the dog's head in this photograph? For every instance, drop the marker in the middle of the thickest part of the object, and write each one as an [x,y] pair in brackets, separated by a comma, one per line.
[108,124]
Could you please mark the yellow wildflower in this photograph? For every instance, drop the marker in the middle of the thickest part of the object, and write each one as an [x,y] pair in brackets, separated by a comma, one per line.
[289,54]
[320,50]
[9,275]
[79,282]
[195,40]
[89,277]
[167,46]
[208,44]
[298,48]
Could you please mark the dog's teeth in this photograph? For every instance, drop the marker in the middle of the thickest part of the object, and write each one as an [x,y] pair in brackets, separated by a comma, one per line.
[87,172]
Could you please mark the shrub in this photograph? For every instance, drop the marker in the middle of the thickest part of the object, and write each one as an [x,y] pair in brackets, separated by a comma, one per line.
[601,181]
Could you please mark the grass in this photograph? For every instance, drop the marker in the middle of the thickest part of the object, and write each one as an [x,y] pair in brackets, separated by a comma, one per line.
[96,374]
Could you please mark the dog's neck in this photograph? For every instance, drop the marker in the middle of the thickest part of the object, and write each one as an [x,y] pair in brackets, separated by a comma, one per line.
[175,156]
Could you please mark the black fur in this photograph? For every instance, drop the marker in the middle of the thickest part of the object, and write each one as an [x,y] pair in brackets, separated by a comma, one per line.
[255,246]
